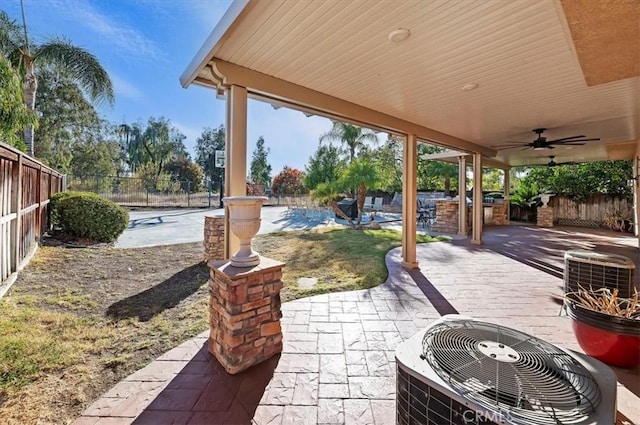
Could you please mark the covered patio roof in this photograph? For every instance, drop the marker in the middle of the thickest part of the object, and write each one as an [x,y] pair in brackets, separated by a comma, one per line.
[468,76]
[571,67]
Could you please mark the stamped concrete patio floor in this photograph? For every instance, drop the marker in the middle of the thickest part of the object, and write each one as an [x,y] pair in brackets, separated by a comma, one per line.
[338,363]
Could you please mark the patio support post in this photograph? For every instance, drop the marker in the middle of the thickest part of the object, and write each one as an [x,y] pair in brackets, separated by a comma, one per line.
[236,153]
[478,210]
[507,184]
[409,205]
[636,196]
[462,196]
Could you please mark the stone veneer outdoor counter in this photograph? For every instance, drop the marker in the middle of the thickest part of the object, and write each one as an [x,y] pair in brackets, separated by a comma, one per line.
[244,307]
[447,215]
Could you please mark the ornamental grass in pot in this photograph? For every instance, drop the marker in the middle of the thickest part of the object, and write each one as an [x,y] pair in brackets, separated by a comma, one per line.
[606,326]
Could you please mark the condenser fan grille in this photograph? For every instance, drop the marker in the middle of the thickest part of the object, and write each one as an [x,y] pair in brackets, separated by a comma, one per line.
[509,371]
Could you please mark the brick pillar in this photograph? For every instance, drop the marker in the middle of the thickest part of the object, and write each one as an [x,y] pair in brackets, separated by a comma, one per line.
[446,217]
[500,214]
[545,217]
[213,237]
[244,312]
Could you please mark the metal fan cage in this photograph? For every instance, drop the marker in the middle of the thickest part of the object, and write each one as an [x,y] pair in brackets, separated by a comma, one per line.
[593,270]
[518,376]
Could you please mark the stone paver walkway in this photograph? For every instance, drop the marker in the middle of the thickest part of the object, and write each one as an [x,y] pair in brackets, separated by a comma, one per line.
[338,362]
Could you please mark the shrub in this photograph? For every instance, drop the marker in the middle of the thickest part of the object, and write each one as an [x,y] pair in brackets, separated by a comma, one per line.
[54,215]
[86,215]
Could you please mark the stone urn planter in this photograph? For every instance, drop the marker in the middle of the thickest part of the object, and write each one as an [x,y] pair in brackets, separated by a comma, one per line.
[244,221]
[545,197]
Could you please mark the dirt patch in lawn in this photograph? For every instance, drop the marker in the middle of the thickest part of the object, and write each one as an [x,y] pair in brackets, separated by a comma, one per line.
[78,320]
[81,319]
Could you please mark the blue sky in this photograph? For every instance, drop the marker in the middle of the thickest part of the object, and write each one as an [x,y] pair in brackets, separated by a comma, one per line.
[145,45]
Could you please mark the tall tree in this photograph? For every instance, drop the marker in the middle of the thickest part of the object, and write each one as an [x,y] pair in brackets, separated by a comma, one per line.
[188,173]
[28,56]
[361,174]
[260,169]
[155,144]
[14,115]
[288,182]
[388,162]
[211,140]
[324,167]
[492,179]
[581,180]
[436,174]
[95,157]
[66,119]
[353,137]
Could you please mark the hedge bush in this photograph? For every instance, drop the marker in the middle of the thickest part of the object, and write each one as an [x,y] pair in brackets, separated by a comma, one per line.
[86,215]
[54,216]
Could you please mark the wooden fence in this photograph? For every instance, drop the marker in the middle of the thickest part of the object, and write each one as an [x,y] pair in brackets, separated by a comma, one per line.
[588,213]
[25,188]
[593,209]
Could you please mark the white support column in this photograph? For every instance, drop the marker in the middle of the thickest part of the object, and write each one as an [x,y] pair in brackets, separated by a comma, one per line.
[636,195]
[478,210]
[462,196]
[236,152]
[507,183]
[409,205]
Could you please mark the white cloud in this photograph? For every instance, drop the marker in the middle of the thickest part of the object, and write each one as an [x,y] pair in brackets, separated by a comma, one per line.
[192,134]
[119,36]
[124,88]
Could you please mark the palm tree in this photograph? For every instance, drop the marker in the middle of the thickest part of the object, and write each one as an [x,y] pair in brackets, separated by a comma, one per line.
[361,174]
[82,66]
[328,193]
[352,136]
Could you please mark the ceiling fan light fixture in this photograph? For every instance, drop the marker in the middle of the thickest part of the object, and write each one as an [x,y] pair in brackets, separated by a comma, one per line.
[401,34]
[470,86]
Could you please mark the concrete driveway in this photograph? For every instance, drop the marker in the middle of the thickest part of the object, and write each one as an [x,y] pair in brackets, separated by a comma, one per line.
[166,227]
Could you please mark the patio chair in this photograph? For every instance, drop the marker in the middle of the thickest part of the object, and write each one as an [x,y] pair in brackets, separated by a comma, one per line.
[377,204]
[368,203]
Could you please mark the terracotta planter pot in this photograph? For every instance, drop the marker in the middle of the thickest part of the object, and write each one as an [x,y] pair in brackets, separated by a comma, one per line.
[610,339]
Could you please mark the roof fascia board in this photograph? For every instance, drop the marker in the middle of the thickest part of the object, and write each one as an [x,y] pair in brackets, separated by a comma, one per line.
[443,155]
[212,43]
[272,87]
[452,158]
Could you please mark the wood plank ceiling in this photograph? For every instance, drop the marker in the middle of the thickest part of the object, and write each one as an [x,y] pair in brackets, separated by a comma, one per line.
[520,53]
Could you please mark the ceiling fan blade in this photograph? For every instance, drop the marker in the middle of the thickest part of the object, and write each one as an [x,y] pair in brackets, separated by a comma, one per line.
[566,138]
[569,144]
[574,141]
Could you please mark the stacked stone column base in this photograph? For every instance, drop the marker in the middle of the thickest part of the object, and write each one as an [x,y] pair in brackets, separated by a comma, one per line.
[446,217]
[545,217]
[500,214]
[213,237]
[245,313]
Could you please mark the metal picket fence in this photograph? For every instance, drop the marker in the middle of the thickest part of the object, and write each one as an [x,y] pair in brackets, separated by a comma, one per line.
[138,192]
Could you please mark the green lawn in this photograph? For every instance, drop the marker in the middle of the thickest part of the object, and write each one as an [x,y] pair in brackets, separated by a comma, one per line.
[340,259]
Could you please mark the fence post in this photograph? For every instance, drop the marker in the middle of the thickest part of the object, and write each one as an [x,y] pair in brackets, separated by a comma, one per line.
[147,190]
[209,183]
[16,239]
[188,194]
[39,201]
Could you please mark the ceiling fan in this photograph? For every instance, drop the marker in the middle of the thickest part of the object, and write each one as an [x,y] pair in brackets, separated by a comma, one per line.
[552,163]
[542,143]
